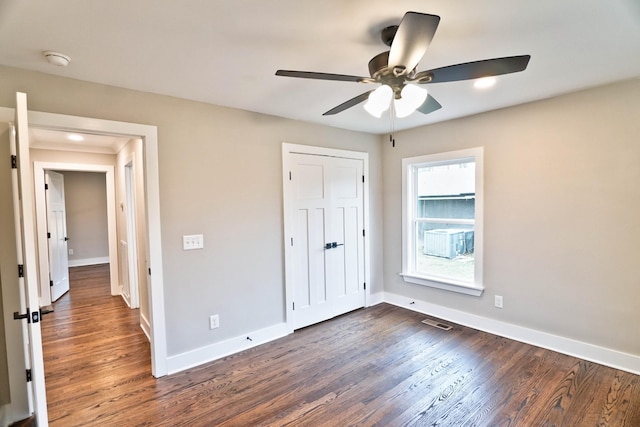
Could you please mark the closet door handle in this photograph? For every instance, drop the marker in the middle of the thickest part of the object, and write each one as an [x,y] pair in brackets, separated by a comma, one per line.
[333,245]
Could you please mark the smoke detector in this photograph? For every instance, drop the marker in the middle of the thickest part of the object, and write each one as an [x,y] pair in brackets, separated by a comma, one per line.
[56,58]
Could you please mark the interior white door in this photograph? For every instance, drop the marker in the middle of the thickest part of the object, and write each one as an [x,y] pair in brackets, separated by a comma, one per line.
[25,236]
[328,242]
[57,229]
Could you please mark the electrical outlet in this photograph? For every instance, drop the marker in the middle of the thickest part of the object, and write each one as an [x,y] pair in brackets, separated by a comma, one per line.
[498,301]
[214,321]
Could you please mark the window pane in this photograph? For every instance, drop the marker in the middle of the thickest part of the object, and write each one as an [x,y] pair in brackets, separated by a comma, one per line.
[445,250]
[443,199]
[446,190]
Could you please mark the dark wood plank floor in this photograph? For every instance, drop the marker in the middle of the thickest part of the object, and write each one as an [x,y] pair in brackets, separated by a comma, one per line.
[377,366]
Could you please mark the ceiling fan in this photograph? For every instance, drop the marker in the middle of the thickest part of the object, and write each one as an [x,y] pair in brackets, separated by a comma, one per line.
[395,70]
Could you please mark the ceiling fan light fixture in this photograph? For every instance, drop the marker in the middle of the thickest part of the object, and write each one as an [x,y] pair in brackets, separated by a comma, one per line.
[411,98]
[379,101]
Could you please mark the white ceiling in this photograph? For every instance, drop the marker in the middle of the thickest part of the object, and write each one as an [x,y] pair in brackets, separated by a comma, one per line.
[49,139]
[226,52]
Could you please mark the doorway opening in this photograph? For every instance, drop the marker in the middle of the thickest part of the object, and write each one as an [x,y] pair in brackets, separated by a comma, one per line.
[153,270]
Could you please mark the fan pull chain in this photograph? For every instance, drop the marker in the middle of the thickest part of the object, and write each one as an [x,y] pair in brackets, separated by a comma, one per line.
[392,114]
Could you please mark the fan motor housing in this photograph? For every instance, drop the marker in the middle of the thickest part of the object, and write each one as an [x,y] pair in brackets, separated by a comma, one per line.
[378,64]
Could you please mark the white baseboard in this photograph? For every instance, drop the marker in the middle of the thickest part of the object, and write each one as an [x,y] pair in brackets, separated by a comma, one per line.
[88,261]
[593,353]
[146,326]
[218,350]
[375,299]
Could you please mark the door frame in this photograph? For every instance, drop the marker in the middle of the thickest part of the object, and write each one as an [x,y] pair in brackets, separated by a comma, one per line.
[131,230]
[149,136]
[287,163]
[39,169]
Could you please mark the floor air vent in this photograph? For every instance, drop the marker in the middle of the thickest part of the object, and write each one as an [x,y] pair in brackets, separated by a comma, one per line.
[437,324]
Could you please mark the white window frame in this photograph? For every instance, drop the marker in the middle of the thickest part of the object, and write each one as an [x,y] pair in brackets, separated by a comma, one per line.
[409,209]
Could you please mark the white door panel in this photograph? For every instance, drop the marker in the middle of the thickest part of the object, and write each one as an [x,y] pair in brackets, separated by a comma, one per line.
[25,236]
[57,228]
[326,208]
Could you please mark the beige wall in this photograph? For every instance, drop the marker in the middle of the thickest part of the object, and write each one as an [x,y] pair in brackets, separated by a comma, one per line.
[562,214]
[86,210]
[561,207]
[220,175]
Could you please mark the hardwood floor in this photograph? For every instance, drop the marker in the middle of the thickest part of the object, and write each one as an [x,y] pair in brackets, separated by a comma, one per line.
[376,366]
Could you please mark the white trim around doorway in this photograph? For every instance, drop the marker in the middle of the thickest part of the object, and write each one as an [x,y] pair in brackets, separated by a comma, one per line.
[149,136]
[39,169]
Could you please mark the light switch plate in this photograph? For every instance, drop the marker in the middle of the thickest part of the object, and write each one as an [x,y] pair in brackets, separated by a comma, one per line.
[192,241]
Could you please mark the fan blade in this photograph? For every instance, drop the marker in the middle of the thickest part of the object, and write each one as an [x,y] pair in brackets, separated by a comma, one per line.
[429,105]
[412,39]
[478,69]
[320,76]
[348,104]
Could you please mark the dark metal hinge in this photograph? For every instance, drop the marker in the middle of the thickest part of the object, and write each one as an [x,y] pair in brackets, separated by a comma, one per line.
[363,234]
[363,178]
[365,285]
[48,235]
[294,306]
[149,271]
[28,375]
[20,270]
[289,175]
[14,162]
[50,282]
[46,186]
[292,241]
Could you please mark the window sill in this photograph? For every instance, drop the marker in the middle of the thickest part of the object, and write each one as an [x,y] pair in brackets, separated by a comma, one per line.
[447,285]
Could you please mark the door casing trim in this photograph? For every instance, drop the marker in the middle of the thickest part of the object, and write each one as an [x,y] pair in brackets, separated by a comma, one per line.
[149,136]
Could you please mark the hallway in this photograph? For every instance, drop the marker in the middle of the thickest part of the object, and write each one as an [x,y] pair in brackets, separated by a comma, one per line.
[92,345]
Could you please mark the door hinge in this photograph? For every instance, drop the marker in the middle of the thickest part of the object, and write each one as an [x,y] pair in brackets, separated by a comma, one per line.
[292,241]
[14,162]
[48,235]
[294,306]
[28,375]
[362,178]
[46,186]
[289,175]
[51,283]
[365,286]
[363,234]
[149,271]
[20,270]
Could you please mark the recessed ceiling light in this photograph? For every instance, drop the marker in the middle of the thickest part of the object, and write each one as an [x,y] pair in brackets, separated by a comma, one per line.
[75,137]
[484,83]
